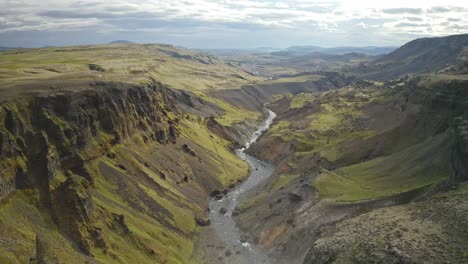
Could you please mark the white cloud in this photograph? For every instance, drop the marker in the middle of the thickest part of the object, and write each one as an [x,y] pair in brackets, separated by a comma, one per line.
[323,17]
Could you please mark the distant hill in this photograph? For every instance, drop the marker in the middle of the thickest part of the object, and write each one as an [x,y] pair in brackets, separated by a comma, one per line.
[241,51]
[121,42]
[5,48]
[419,56]
[304,50]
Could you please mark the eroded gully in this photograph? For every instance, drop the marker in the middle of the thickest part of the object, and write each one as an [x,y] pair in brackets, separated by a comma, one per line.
[236,249]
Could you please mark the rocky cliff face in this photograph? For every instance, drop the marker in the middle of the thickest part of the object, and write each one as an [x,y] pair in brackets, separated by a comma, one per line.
[38,134]
[120,172]
[42,136]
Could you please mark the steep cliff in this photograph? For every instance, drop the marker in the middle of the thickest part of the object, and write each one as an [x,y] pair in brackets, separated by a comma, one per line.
[105,174]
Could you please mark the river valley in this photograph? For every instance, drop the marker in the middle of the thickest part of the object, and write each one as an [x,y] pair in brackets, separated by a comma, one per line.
[238,250]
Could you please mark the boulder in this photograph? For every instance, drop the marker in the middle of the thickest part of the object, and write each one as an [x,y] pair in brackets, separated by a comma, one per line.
[188,150]
[217,194]
[294,197]
[111,155]
[202,221]
[120,219]
[173,134]
[235,212]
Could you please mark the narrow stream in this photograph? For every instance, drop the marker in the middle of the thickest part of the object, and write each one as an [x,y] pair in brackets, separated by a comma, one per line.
[240,251]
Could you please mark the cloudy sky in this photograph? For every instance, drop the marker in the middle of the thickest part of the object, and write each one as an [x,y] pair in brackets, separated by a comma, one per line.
[229,24]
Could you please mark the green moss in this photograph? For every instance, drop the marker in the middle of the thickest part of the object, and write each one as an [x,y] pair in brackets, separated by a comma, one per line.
[232,114]
[334,186]
[415,167]
[178,68]
[283,180]
[230,167]
[20,221]
[299,100]
[9,166]
[297,79]
[183,218]
[58,121]
[146,234]
[325,130]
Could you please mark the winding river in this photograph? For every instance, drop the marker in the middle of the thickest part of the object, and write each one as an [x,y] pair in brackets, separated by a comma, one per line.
[238,250]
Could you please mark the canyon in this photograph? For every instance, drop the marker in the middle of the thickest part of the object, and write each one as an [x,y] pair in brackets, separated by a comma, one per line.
[149,153]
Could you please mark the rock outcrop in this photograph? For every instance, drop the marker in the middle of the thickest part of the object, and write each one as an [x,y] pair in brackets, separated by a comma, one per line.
[39,134]
[73,211]
[43,136]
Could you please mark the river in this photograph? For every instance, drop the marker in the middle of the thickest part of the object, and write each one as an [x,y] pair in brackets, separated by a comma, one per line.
[238,250]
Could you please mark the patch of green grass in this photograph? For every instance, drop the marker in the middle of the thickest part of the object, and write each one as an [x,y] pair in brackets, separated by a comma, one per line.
[415,167]
[232,113]
[178,68]
[283,180]
[325,130]
[183,218]
[337,187]
[20,221]
[53,70]
[296,79]
[299,100]
[230,167]
[146,234]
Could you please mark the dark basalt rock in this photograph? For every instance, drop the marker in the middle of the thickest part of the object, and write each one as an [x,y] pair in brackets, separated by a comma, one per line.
[188,150]
[186,179]
[161,136]
[217,194]
[43,253]
[45,134]
[294,198]
[236,212]
[96,234]
[73,211]
[223,211]
[122,167]
[173,134]
[202,221]
[120,220]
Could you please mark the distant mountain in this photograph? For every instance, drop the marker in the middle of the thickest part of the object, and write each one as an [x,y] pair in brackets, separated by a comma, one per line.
[304,50]
[241,51]
[318,61]
[5,48]
[121,42]
[419,56]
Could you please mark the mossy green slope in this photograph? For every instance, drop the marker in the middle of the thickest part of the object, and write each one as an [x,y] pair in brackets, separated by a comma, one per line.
[420,165]
[53,70]
[348,131]
[343,153]
[124,171]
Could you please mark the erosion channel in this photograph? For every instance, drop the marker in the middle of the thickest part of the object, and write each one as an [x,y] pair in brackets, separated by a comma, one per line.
[221,209]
